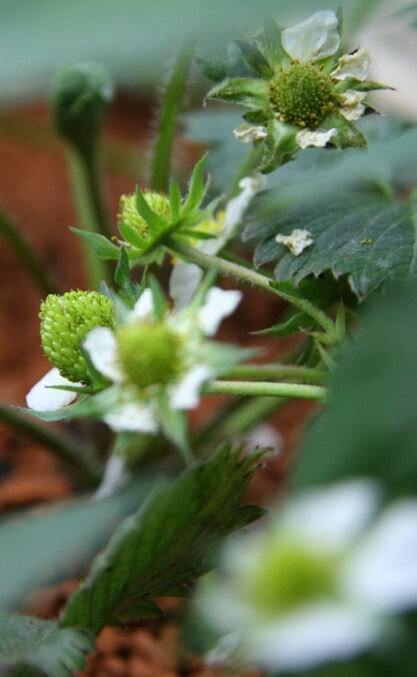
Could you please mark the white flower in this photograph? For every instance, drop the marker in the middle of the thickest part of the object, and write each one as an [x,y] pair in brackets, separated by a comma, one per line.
[181,388]
[319,583]
[185,277]
[297,241]
[247,133]
[356,66]
[43,397]
[352,107]
[313,39]
[314,137]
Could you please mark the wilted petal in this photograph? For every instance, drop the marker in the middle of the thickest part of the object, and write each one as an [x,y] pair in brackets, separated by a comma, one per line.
[133,417]
[186,393]
[101,345]
[115,476]
[313,39]
[383,571]
[144,307]
[312,635]
[248,133]
[352,107]
[236,207]
[356,65]
[183,281]
[297,241]
[311,137]
[42,397]
[218,304]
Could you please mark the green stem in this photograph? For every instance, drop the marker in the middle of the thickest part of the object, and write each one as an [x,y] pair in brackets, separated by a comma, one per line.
[28,257]
[80,459]
[250,276]
[161,161]
[265,388]
[83,168]
[276,371]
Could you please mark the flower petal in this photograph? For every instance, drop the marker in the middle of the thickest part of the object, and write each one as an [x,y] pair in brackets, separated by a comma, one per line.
[101,345]
[115,476]
[315,137]
[296,242]
[186,393]
[352,107]
[183,281]
[312,635]
[248,133]
[314,38]
[383,571]
[218,304]
[144,307]
[356,65]
[236,207]
[133,417]
[42,397]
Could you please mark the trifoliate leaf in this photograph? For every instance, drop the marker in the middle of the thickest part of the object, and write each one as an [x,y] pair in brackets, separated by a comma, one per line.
[41,645]
[365,236]
[166,544]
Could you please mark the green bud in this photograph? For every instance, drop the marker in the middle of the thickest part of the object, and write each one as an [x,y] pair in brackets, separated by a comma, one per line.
[302,95]
[80,95]
[129,214]
[65,322]
[288,575]
[149,354]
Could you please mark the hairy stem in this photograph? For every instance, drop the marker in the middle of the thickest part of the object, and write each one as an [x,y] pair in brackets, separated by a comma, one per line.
[276,371]
[265,388]
[28,257]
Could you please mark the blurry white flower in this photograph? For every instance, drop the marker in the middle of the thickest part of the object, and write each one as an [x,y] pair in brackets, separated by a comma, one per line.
[264,436]
[356,66]
[185,277]
[319,582]
[297,241]
[313,39]
[43,397]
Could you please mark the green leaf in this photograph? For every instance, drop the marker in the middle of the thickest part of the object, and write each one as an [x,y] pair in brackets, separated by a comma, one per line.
[132,236]
[255,59]
[32,643]
[174,200]
[251,92]
[158,297]
[98,243]
[216,71]
[196,189]
[365,236]
[165,545]
[123,280]
[272,43]
[155,223]
[294,324]
[370,426]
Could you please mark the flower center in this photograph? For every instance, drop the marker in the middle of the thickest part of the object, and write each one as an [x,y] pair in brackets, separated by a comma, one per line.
[289,575]
[65,322]
[149,354]
[302,95]
[129,214]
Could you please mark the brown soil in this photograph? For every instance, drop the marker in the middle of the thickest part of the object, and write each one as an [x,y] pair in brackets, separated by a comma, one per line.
[34,189]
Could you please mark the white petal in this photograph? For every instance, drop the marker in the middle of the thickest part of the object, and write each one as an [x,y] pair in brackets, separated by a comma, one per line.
[313,39]
[352,107]
[42,397]
[383,571]
[133,417]
[185,394]
[334,516]
[144,308]
[264,436]
[101,345]
[218,304]
[115,476]
[312,635]
[356,65]
[183,281]
[248,133]
[317,138]
[297,241]
[235,208]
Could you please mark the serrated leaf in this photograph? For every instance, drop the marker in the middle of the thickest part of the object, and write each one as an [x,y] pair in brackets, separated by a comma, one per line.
[370,426]
[251,92]
[255,59]
[98,243]
[42,645]
[364,236]
[165,544]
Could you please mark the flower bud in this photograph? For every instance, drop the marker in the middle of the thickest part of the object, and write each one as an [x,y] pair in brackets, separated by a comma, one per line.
[129,214]
[65,321]
[80,95]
